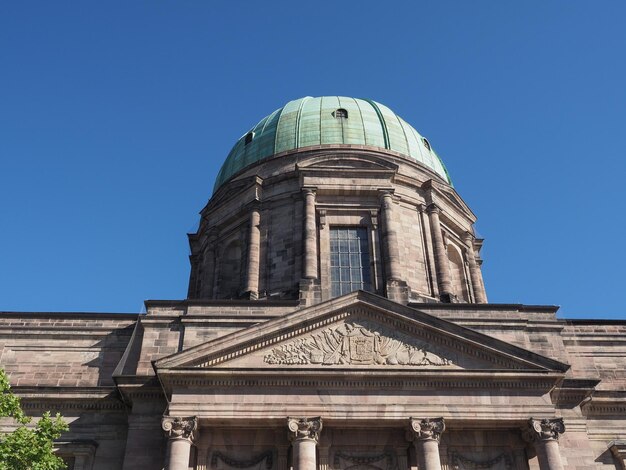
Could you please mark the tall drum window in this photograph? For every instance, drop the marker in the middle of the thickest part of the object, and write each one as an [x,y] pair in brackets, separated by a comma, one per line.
[349,260]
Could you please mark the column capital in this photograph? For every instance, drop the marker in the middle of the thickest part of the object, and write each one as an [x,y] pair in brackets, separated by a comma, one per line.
[180,428]
[469,238]
[322,213]
[385,193]
[545,429]
[433,208]
[255,215]
[309,190]
[304,428]
[253,205]
[427,429]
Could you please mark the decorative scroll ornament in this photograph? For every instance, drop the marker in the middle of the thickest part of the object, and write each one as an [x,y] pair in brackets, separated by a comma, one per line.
[180,428]
[370,461]
[427,429]
[357,344]
[237,463]
[545,429]
[458,461]
[304,428]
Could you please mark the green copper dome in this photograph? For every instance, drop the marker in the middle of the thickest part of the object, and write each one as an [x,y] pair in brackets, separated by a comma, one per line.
[329,120]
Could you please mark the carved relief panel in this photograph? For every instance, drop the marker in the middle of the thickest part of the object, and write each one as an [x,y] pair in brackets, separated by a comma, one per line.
[470,461]
[346,460]
[241,449]
[472,450]
[357,342]
[223,460]
[367,448]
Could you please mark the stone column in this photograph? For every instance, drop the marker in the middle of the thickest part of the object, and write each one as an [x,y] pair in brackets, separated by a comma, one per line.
[441,257]
[390,238]
[254,252]
[544,434]
[426,435]
[477,280]
[310,236]
[180,433]
[304,434]
[429,265]
[209,268]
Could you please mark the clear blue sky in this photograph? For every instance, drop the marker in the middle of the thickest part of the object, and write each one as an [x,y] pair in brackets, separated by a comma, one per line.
[116,116]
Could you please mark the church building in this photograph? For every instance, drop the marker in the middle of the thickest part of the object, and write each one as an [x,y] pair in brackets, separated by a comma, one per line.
[336,319]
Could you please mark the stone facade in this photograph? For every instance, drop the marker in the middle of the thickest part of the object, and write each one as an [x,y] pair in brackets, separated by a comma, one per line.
[420,230]
[269,365]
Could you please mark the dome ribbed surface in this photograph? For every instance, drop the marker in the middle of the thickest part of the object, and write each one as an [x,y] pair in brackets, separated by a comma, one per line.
[309,121]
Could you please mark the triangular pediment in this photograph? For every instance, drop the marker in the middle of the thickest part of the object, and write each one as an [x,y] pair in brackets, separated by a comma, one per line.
[359,331]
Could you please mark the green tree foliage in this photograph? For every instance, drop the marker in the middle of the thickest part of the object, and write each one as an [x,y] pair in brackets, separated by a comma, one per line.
[27,447]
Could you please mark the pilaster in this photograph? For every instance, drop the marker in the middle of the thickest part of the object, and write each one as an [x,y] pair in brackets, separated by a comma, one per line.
[208,281]
[480,295]
[390,237]
[396,288]
[441,258]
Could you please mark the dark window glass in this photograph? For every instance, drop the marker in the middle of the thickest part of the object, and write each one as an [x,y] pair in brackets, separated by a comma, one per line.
[349,260]
[249,137]
[341,113]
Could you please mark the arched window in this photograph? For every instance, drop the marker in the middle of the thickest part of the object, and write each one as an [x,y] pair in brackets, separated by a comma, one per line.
[426,143]
[341,113]
[249,137]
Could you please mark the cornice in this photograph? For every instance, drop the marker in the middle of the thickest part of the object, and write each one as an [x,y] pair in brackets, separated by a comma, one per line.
[606,404]
[359,378]
[573,392]
[59,332]
[138,387]
[591,322]
[69,398]
[184,303]
[71,315]
[488,306]
[442,194]
[236,187]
